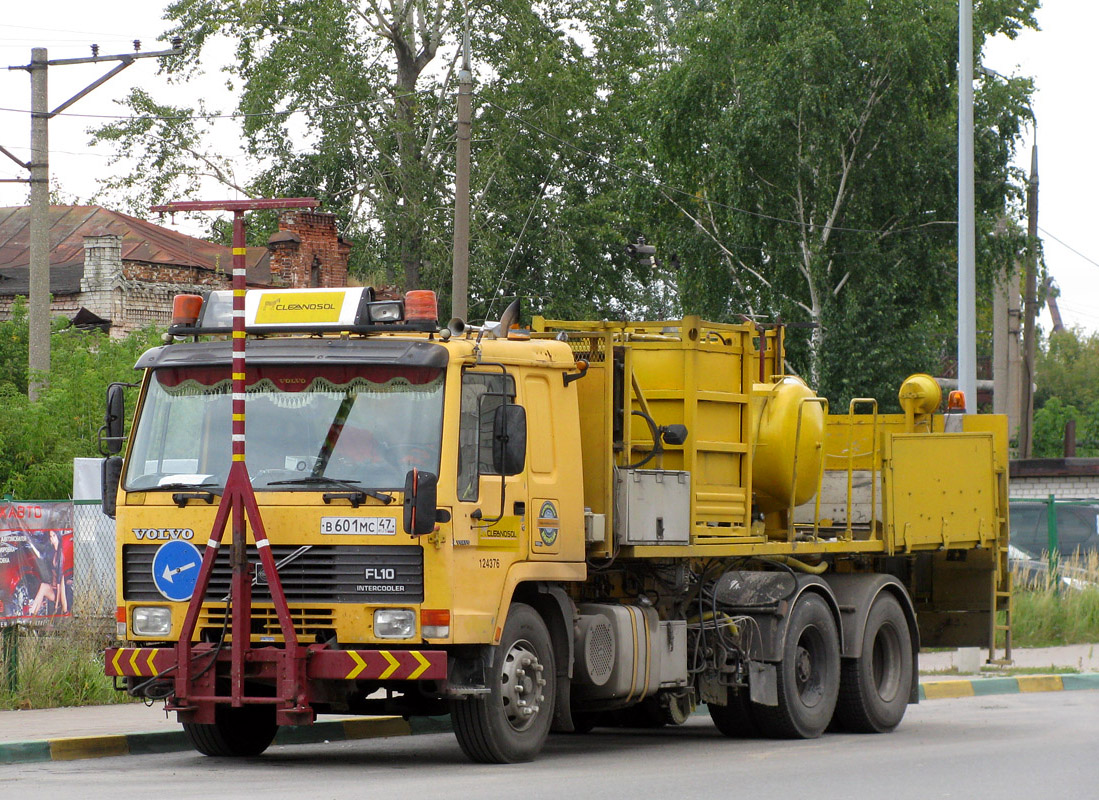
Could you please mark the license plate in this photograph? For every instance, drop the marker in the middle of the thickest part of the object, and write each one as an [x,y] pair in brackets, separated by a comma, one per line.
[360,526]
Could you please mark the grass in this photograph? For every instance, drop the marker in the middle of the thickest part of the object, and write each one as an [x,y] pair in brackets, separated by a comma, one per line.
[989,671]
[61,665]
[1048,613]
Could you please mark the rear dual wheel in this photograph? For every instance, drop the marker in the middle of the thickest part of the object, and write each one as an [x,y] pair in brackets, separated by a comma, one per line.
[874,687]
[808,675]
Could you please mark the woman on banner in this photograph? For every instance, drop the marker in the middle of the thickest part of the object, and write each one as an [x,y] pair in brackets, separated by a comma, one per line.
[52,572]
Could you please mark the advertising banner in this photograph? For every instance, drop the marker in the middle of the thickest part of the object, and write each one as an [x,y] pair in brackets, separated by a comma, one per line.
[36,561]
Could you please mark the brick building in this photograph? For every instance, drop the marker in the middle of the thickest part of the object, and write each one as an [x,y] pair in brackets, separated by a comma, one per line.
[118,272]
[1064,478]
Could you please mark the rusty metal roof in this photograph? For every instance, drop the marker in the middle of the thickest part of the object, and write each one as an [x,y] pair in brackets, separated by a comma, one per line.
[142,241]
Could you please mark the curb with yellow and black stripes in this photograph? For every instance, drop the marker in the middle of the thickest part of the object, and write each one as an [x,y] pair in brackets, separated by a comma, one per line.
[77,747]
[1021,684]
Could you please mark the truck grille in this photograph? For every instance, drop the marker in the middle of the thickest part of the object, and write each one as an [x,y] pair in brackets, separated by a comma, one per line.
[317,574]
[309,623]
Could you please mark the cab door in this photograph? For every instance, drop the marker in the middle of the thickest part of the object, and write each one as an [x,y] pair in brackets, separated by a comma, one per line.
[495,505]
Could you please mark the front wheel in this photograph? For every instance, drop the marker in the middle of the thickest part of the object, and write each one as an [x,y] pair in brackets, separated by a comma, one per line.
[510,724]
[809,675]
[236,732]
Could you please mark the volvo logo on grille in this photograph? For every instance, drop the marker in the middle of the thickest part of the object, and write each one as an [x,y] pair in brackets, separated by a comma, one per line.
[163,533]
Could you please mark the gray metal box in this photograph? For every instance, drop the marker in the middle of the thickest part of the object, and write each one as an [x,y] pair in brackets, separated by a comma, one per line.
[654,507]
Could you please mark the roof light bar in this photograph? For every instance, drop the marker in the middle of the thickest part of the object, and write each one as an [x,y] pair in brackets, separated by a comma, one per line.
[351,309]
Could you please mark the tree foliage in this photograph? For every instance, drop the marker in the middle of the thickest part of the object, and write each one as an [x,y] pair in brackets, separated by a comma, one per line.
[1067,377]
[791,160]
[813,147]
[39,440]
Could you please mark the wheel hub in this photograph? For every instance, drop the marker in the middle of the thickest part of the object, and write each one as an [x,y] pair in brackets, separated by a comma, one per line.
[521,685]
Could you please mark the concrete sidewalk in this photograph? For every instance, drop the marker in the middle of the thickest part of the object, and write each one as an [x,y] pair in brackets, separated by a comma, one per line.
[96,731]
[969,660]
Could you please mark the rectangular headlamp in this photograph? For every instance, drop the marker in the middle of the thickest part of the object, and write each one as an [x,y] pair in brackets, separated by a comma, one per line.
[385,311]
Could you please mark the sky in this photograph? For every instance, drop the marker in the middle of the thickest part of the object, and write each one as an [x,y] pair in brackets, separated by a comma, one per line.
[1061,58]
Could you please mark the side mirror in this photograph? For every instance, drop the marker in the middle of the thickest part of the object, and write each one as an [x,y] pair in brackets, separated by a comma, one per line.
[509,439]
[421,499]
[111,476]
[110,435]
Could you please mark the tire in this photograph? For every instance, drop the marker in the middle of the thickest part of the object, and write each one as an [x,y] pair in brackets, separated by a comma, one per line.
[874,687]
[734,719]
[808,676]
[236,732]
[510,724]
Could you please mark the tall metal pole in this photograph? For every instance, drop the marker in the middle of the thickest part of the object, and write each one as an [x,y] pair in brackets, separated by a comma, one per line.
[39,308]
[967,273]
[1030,311]
[460,279]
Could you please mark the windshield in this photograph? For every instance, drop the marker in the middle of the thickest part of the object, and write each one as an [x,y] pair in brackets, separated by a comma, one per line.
[306,427]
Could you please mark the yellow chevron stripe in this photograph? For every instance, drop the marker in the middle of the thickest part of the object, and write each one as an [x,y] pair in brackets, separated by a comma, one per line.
[424,664]
[152,655]
[133,662]
[114,661]
[354,673]
[393,664]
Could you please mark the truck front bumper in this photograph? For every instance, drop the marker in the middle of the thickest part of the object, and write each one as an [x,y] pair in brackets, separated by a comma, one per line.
[321,663]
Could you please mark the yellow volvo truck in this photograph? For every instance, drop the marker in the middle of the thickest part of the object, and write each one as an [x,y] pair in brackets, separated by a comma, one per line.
[572,525]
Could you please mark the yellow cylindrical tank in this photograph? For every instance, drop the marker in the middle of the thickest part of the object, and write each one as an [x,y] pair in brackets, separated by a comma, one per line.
[777,444]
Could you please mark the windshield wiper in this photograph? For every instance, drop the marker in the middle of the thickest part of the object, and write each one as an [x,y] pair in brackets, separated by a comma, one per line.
[180,485]
[344,483]
[181,498]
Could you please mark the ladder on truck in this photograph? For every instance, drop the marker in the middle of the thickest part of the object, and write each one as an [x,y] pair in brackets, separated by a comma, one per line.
[1001,601]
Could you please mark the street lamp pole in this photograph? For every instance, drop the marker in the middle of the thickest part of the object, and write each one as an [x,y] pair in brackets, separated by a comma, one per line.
[967,273]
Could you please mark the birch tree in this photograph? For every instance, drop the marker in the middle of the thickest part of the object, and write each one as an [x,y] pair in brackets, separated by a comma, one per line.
[812,147]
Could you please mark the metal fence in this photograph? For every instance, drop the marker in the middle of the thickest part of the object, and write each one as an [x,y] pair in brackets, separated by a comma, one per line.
[1044,532]
[93,560]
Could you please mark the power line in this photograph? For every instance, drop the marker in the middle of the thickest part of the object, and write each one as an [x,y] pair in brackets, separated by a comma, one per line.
[56,30]
[1065,244]
[234,115]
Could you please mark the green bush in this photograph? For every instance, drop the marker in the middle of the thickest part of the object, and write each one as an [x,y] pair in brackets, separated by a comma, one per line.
[39,440]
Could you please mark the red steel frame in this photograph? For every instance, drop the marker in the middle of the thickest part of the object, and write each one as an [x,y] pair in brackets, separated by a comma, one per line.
[239,502]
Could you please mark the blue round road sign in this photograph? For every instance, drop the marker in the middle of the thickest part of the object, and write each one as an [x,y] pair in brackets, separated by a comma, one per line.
[175,569]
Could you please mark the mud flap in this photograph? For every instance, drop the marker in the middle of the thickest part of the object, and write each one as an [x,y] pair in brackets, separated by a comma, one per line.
[763,683]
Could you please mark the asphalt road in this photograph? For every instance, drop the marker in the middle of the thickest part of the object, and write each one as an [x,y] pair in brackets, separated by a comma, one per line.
[1031,746]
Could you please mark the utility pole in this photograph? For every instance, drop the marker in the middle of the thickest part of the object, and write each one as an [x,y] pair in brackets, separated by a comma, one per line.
[38,309]
[1030,310]
[459,302]
[1007,364]
[967,273]
[39,301]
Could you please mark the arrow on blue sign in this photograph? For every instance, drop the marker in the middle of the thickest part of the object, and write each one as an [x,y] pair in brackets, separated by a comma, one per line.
[175,569]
